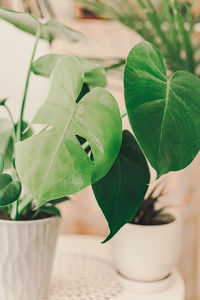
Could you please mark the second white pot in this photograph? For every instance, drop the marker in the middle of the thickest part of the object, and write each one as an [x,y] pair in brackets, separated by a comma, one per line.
[147,253]
[26,256]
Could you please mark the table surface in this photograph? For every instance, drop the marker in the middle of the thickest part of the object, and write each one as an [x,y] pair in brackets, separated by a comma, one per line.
[83,270]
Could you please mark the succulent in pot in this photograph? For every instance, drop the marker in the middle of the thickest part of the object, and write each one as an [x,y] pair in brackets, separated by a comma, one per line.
[38,168]
[148,247]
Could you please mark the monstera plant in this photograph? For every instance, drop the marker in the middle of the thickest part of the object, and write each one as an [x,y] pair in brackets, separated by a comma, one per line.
[80,141]
[164,113]
[79,136]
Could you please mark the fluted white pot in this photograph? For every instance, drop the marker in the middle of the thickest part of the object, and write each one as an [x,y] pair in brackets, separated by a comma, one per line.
[147,253]
[26,256]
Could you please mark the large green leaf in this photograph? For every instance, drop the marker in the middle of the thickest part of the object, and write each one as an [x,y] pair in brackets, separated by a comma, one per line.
[50,30]
[164,113]
[94,75]
[10,189]
[121,192]
[52,162]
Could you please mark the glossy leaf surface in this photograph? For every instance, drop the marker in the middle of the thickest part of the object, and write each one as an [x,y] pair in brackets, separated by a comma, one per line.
[52,163]
[10,189]
[93,74]
[121,192]
[164,113]
[50,30]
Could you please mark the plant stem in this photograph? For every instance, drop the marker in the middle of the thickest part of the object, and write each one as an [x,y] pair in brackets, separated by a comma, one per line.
[19,129]
[114,66]
[12,121]
[17,212]
[172,28]
[185,38]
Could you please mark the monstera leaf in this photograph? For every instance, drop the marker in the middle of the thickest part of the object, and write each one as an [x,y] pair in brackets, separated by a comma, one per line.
[164,113]
[52,163]
[121,192]
[10,189]
[50,30]
[93,74]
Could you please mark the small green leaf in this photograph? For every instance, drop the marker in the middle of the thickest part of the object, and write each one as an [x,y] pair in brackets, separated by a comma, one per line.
[121,192]
[94,75]
[3,101]
[164,113]
[9,190]
[51,210]
[1,163]
[52,163]
[50,30]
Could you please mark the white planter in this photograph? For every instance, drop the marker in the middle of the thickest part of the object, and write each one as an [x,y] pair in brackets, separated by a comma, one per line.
[26,256]
[147,253]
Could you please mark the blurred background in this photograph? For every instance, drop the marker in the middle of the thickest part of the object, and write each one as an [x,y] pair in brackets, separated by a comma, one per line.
[112,28]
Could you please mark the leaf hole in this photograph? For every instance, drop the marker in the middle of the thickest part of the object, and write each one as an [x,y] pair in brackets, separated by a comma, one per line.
[85,146]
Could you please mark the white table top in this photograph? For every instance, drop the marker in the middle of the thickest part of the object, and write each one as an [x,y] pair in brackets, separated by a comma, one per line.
[83,270]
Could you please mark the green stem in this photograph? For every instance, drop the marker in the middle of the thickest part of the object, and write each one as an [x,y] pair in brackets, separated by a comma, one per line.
[17,212]
[172,28]
[114,66]
[156,23]
[185,38]
[19,129]
[12,121]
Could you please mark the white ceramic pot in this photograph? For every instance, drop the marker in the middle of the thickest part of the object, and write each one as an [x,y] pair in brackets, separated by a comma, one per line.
[26,256]
[147,253]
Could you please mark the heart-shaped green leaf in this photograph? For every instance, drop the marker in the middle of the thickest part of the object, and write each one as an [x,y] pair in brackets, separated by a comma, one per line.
[52,163]
[10,189]
[94,75]
[50,30]
[1,163]
[164,113]
[121,192]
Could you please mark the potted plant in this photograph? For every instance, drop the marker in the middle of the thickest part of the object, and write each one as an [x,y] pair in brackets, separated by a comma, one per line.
[59,156]
[165,123]
[147,249]
[80,141]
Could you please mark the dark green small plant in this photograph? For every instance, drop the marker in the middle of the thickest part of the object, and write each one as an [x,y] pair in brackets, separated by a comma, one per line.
[149,214]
